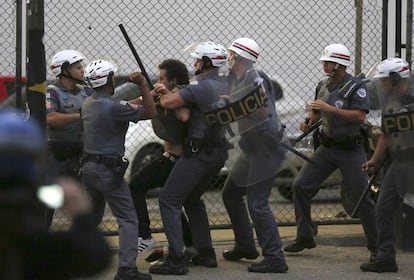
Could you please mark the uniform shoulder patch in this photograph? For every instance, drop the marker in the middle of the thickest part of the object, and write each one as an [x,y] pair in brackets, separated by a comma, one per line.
[362,92]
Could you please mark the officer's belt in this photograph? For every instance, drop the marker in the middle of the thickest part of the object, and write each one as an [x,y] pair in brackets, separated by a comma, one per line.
[342,143]
[107,160]
[170,157]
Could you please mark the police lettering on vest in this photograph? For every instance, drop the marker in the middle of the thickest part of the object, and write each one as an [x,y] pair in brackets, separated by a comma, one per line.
[238,109]
[398,122]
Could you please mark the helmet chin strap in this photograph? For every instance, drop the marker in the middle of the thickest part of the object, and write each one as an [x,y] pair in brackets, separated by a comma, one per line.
[112,88]
[336,68]
[332,74]
[71,77]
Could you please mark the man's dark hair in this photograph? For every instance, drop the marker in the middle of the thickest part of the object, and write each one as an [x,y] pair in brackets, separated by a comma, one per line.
[175,70]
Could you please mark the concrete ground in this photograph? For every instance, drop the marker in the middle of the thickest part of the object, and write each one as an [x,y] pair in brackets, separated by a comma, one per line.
[340,251]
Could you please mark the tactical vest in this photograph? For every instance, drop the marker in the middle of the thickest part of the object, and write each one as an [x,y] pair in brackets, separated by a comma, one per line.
[398,123]
[67,104]
[345,93]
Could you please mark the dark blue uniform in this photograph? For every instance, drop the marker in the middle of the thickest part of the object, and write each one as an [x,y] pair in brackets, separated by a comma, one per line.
[342,148]
[65,141]
[253,174]
[105,124]
[398,181]
[204,155]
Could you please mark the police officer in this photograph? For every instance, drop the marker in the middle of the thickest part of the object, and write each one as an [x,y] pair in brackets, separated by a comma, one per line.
[28,249]
[253,173]
[397,103]
[342,103]
[171,126]
[63,104]
[105,124]
[204,154]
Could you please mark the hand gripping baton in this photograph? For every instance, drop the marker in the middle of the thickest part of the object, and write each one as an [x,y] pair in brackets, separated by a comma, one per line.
[367,188]
[311,129]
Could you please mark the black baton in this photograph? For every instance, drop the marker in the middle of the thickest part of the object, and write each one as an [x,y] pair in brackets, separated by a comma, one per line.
[299,154]
[368,187]
[311,128]
[134,52]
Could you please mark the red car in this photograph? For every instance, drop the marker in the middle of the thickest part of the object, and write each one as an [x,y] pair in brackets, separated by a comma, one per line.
[8,89]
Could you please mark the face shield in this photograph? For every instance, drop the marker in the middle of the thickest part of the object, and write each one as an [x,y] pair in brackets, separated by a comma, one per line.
[253,128]
[397,122]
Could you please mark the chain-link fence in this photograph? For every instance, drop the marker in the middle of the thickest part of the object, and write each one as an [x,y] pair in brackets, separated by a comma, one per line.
[291,35]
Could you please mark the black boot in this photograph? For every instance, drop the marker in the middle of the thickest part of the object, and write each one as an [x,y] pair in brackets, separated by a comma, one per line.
[171,265]
[126,273]
[236,254]
[268,266]
[206,257]
[380,265]
[300,245]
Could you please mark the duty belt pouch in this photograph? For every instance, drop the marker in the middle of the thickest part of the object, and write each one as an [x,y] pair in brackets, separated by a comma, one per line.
[73,167]
[120,168]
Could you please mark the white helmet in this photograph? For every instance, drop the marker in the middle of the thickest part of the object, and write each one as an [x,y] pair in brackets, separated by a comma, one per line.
[98,71]
[337,53]
[246,47]
[65,56]
[393,65]
[215,52]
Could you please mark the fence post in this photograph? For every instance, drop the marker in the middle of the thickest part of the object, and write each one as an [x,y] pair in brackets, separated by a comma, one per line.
[18,73]
[358,35]
[36,67]
[409,36]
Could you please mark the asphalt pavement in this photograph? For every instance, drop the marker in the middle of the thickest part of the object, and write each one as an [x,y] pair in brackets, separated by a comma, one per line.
[340,251]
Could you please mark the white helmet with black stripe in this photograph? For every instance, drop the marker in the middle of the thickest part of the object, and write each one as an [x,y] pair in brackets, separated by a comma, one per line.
[246,47]
[337,53]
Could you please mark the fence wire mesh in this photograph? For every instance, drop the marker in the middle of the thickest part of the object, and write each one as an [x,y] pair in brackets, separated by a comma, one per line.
[291,35]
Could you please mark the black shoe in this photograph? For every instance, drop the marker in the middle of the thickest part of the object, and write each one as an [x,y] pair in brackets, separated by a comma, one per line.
[131,274]
[237,254]
[300,245]
[206,257]
[267,266]
[170,266]
[379,265]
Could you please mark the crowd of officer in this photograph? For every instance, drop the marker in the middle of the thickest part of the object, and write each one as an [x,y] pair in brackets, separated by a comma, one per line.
[86,133]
